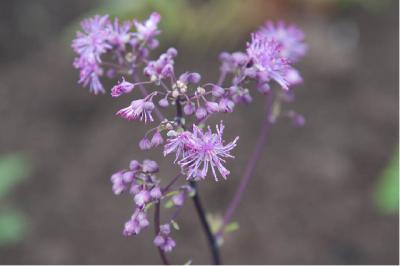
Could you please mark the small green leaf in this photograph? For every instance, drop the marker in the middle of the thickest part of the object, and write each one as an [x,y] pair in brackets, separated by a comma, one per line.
[189,262]
[13,168]
[169,204]
[175,225]
[12,226]
[233,226]
[149,205]
[387,191]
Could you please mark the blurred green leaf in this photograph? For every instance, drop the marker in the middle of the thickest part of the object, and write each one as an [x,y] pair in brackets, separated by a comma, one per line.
[387,191]
[12,226]
[13,168]
[233,226]
[169,204]
[175,225]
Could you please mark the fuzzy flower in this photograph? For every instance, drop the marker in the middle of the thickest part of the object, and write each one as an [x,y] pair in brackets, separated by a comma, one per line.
[138,110]
[199,151]
[163,240]
[289,36]
[267,59]
[137,222]
[92,42]
[120,34]
[163,67]
[148,30]
[90,73]
[178,142]
[121,88]
[232,62]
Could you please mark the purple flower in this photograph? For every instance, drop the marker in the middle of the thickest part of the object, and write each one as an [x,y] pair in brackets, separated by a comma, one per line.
[217,91]
[201,150]
[268,62]
[290,37]
[163,67]
[163,240]
[157,139]
[142,197]
[240,95]
[212,107]
[178,143]
[156,193]
[138,110]
[137,222]
[201,113]
[190,78]
[226,105]
[189,108]
[232,62]
[178,199]
[92,42]
[134,165]
[121,88]
[148,30]
[89,74]
[150,166]
[119,34]
[145,144]
[118,185]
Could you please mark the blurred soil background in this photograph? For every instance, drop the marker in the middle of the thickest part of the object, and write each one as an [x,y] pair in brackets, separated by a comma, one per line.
[312,197]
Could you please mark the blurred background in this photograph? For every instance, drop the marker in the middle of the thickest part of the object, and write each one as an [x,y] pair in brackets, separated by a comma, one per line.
[326,193]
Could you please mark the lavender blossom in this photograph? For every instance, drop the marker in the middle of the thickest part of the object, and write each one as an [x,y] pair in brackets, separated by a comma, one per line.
[289,36]
[121,88]
[137,222]
[138,110]
[268,61]
[201,150]
[163,240]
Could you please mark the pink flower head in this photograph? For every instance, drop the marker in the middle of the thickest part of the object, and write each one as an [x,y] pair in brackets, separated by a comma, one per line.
[92,42]
[138,110]
[163,67]
[121,88]
[200,150]
[148,30]
[289,36]
[268,61]
[120,34]
[90,73]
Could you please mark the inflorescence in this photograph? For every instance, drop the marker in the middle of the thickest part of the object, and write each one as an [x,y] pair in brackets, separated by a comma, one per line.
[122,51]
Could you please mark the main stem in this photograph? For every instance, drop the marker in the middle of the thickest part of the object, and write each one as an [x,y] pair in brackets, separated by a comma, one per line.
[251,164]
[157,230]
[212,241]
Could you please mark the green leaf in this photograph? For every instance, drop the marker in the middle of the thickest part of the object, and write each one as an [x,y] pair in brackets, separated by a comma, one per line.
[13,168]
[387,190]
[189,262]
[169,204]
[175,225]
[12,226]
[231,227]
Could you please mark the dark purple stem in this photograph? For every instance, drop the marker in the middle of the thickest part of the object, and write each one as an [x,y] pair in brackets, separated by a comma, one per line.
[251,164]
[212,240]
[157,230]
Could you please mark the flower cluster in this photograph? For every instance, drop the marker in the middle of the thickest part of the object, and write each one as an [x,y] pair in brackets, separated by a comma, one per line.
[99,36]
[122,50]
[139,181]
